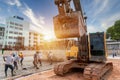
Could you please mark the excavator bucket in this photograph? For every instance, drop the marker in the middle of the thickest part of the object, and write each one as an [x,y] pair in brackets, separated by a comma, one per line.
[69,25]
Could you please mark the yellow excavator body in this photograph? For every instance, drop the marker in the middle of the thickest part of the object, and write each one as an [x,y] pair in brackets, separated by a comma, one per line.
[72,53]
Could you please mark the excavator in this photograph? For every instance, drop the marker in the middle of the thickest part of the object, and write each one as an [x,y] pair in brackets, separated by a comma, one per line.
[90,52]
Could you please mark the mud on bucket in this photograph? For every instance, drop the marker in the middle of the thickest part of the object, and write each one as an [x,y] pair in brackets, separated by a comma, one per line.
[68,26]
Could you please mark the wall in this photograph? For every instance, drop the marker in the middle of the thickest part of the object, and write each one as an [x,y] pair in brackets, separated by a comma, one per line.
[58,55]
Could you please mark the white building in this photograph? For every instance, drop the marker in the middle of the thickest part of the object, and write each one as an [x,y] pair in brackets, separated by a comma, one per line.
[35,39]
[2,30]
[16,27]
[113,46]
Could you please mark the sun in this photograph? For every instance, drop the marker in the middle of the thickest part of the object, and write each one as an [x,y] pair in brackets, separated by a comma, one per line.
[47,37]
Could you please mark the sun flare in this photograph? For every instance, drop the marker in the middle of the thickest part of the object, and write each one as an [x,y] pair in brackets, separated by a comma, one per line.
[47,37]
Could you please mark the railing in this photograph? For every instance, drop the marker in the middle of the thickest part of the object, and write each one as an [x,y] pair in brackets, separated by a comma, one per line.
[111,51]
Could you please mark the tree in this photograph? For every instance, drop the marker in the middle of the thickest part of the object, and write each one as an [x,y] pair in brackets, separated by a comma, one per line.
[114,30]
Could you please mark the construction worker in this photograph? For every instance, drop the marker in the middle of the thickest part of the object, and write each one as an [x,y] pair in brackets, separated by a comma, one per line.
[50,56]
[35,61]
[8,63]
[16,60]
[39,56]
[21,58]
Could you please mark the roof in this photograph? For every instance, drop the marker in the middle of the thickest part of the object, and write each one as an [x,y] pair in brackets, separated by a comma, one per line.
[113,42]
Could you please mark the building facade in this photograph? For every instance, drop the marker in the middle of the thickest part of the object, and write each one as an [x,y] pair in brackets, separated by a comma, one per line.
[19,43]
[35,40]
[2,30]
[113,46]
[16,27]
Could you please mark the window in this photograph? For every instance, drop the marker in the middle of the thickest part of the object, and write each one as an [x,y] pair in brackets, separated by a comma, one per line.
[14,42]
[21,28]
[16,28]
[10,37]
[16,24]
[35,41]
[11,23]
[11,27]
[10,31]
[15,37]
[9,42]
[35,38]
[20,33]
[1,33]
[21,25]
[15,32]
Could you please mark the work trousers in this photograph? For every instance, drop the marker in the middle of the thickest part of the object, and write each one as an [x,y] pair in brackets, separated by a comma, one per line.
[15,65]
[21,61]
[6,68]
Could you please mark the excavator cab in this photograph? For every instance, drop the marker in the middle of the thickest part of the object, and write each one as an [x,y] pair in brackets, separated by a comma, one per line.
[97,47]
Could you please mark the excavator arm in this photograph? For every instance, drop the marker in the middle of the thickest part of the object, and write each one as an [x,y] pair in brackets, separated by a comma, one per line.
[69,23]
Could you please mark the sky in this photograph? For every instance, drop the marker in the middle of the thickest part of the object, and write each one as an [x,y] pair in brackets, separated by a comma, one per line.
[101,14]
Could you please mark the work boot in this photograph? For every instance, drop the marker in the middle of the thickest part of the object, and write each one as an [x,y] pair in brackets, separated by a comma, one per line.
[37,67]
[40,64]
[5,75]
[13,74]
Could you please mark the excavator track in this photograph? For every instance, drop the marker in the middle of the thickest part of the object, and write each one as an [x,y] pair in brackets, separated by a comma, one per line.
[92,71]
[97,71]
[62,68]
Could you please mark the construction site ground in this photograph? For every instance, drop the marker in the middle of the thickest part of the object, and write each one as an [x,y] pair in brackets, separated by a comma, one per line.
[49,74]
[45,72]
